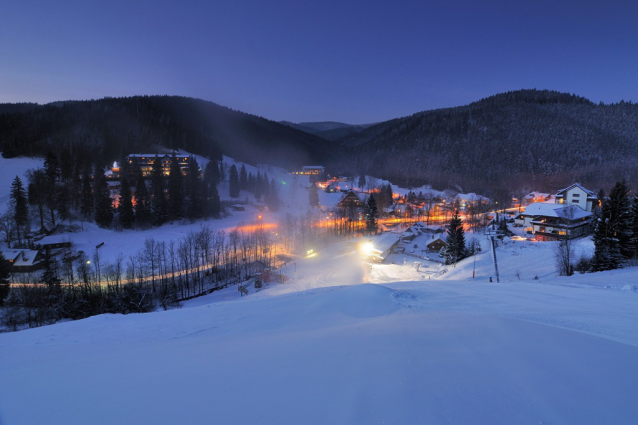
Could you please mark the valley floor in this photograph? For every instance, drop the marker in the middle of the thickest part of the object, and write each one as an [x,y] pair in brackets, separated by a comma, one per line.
[345,342]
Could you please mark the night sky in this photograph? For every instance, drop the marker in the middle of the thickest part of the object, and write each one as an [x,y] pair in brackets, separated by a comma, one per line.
[355,62]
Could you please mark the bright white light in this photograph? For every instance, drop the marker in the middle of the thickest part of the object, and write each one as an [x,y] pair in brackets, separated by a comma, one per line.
[367,248]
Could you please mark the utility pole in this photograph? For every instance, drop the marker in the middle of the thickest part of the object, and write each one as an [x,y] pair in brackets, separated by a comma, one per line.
[494,255]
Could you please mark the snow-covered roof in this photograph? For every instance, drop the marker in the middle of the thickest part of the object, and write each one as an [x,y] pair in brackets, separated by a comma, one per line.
[348,193]
[541,208]
[26,258]
[54,239]
[578,185]
[160,154]
[572,212]
[384,242]
[435,240]
[10,254]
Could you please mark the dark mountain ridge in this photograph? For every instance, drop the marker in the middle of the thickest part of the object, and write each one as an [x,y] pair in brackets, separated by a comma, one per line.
[529,138]
[100,131]
[329,130]
[534,139]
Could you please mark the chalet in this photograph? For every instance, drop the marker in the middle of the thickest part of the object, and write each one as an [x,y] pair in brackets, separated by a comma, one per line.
[23,260]
[436,244]
[555,221]
[577,195]
[563,223]
[350,206]
[350,200]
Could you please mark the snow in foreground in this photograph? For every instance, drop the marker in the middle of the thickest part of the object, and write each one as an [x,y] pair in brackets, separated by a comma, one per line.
[324,348]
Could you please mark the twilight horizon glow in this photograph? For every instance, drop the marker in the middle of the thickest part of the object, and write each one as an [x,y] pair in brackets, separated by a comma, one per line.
[297,61]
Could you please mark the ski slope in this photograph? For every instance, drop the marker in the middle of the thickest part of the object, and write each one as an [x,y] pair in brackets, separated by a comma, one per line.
[335,345]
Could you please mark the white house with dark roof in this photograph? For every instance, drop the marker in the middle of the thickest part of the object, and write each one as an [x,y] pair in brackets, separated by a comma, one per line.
[555,221]
[577,195]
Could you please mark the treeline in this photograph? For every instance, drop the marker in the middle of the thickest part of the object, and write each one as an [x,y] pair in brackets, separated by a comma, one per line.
[616,230]
[55,193]
[161,274]
[532,138]
[258,185]
[166,198]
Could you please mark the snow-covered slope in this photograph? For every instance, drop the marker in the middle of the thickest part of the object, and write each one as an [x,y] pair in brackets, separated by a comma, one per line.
[326,347]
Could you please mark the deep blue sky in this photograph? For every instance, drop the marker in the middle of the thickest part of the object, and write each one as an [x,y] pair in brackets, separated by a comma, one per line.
[354,62]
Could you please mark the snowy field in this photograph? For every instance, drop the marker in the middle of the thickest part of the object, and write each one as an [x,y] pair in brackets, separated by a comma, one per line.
[345,342]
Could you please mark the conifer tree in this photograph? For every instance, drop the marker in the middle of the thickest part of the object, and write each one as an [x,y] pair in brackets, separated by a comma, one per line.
[38,192]
[313,196]
[222,171]
[86,203]
[50,275]
[19,204]
[243,178]
[194,190]
[633,241]
[371,214]
[103,205]
[159,205]
[214,201]
[52,173]
[233,182]
[5,272]
[126,204]
[142,202]
[265,186]
[63,202]
[251,183]
[455,240]
[51,168]
[258,186]
[211,174]
[273,197]
[175,191]
[612,235]
[362,181]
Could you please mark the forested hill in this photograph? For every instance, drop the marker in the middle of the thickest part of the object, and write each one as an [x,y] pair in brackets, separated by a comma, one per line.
[538,139]
[101,131]
[328,130]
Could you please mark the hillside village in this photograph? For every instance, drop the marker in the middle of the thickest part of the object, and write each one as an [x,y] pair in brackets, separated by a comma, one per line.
[565,215]
[277,214]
